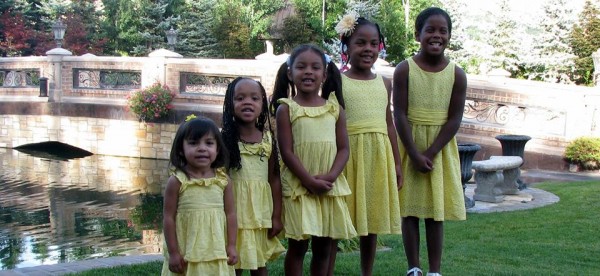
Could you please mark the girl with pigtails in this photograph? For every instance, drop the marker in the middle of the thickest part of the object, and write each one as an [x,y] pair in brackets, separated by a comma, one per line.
[311,131]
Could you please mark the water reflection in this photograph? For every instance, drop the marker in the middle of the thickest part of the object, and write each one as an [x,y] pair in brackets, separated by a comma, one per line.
[60,211]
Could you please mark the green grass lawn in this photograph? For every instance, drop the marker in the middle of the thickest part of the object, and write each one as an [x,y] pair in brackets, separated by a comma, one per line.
[559,239]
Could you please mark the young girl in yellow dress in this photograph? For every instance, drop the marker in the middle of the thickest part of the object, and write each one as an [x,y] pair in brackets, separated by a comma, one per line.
[429,97]
[199,216]
[254,170]
[311,131]
[373,170]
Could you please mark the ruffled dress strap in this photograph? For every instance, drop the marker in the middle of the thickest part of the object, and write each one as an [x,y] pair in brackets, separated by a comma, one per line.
[296,111]
[220,179]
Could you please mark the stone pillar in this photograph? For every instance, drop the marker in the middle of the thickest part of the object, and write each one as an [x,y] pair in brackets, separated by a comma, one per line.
[55,58]
[155,69]
[596,59]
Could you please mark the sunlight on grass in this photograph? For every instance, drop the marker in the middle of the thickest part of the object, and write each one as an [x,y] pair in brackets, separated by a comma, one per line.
[561,238]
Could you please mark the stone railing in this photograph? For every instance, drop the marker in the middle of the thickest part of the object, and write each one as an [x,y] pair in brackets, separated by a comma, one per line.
[552,114]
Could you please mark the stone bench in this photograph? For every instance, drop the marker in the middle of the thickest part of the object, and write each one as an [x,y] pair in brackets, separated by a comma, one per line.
[496,177]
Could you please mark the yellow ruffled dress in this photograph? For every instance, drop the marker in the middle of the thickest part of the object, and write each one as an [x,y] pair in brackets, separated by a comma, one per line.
[201,226]
[437,194]
[370,171]
[254,204]
[306,214]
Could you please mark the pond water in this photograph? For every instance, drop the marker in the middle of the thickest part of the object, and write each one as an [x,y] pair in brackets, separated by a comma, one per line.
[56,211]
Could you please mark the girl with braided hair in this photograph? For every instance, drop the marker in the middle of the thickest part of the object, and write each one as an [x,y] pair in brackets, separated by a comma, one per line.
[254,170]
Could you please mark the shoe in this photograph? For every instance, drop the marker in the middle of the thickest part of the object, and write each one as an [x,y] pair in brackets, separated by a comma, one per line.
[415,271]
[433,274]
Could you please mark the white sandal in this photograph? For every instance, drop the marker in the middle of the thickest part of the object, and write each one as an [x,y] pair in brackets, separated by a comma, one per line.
[433,274]
[415,271]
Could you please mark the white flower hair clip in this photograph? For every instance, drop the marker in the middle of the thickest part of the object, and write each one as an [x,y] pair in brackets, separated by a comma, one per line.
[346,25]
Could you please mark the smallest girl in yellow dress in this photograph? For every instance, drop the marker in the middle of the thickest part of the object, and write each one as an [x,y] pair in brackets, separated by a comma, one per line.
[199,216]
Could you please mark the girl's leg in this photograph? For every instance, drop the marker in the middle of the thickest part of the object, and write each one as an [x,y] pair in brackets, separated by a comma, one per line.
[261,271]
[321,247]
[238,272]
[294,257]
[410,237]
[332,256]
[434,231]
[368,247]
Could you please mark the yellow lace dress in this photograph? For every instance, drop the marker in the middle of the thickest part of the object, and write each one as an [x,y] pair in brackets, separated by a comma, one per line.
[437,194]
[370,170]
[306,214]
[201,226]
[254,204]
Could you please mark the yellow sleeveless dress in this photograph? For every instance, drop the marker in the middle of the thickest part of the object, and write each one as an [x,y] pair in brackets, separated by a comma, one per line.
[254,204]
[370,170]
[305,214]
[437,194]
[201,226]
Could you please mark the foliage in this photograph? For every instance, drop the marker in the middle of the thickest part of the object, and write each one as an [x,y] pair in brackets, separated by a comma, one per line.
[232,33]
[148,214]
[15,34]
[553,54]
[584,41]
[584,151]
[296,31]
[393,30]
[196,38]
[504,42]
[151,103]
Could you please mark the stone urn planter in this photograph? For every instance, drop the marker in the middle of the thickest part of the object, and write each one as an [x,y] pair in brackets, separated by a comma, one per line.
[466,153]
[514,145]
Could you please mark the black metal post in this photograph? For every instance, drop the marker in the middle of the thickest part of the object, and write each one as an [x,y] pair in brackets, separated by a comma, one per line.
[514,145]
[466,153]
[43,87]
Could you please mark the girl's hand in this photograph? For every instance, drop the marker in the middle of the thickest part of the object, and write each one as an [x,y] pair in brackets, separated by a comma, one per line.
[326,177]
[422,163]
[399,177]
[176,263]
[232,256]
[318,186]
[276,227]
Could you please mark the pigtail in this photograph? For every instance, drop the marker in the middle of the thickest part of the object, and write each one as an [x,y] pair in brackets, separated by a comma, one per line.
[283,88]
[333,83]
[230,131]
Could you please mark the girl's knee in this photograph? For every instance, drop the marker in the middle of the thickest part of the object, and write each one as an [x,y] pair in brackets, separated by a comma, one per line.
[297,246]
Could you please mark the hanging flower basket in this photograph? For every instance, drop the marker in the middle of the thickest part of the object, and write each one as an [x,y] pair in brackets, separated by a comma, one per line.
[151,103]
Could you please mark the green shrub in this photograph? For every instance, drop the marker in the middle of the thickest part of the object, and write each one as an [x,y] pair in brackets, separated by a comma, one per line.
[584,151]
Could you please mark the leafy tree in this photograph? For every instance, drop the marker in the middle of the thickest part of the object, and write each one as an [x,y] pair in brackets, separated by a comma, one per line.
[503,40]
[295,31]
[553,53]
[394,30]
[584,41]
[197,39]
[231,32]
[15,34]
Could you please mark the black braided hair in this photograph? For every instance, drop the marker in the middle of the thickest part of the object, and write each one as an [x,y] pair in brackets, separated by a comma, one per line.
[361,21]
[284,87]
[230,132]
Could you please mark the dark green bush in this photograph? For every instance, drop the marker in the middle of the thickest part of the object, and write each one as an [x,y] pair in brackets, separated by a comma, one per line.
[584,151]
